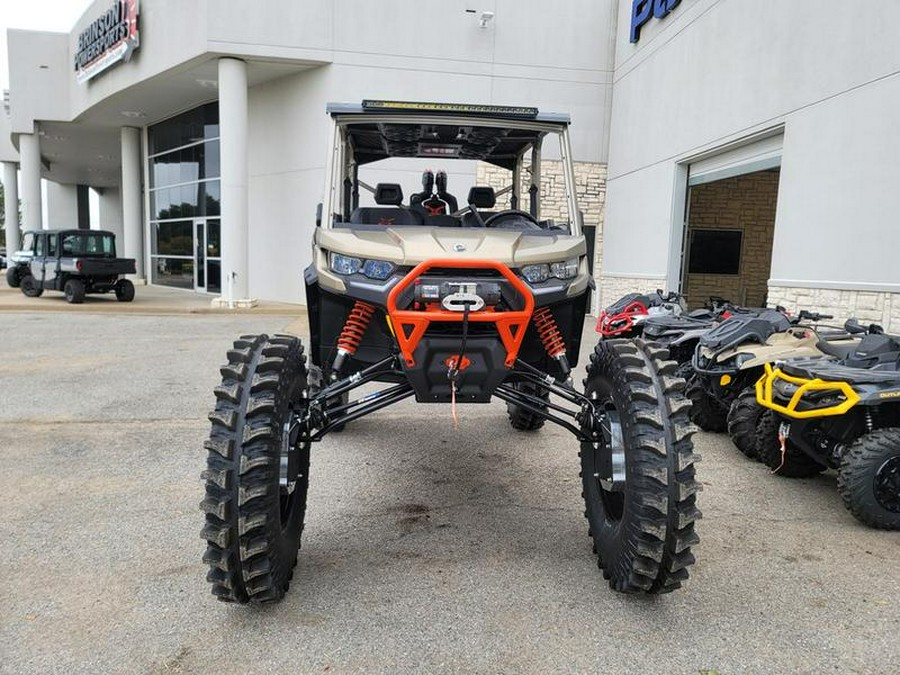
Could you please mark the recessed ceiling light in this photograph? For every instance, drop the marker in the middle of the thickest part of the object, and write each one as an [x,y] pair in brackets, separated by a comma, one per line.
[208,84]
[133,114]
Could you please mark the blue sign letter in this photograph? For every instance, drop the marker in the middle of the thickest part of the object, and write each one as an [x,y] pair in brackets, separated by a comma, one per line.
[640,14]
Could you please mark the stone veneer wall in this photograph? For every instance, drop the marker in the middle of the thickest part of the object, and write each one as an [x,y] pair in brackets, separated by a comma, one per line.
[867,306]
[745,203]
[613,288]
[590,185]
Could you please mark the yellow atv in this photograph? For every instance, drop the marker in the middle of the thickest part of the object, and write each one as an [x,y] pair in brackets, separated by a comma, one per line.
[840,414]
[730,358]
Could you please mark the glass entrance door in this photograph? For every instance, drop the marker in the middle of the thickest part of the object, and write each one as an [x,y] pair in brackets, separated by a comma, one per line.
[207,255]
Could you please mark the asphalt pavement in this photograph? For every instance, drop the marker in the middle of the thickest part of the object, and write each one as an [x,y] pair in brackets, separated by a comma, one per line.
[427,549]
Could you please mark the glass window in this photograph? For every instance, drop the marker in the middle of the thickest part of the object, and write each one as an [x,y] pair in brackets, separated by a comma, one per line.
[186,165]
[191,127]
[177,202]
[211,165]
[51,244]
[173,238]
[214,276]
[84,244]
[28,241]
[213,241]
[39,246]
[212,198]
[176,272]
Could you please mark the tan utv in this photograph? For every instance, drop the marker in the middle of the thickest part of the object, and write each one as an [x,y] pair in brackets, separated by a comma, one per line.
[730,358]
[450,299]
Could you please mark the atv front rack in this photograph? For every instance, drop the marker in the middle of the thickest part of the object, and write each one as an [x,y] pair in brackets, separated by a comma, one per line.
[800,387]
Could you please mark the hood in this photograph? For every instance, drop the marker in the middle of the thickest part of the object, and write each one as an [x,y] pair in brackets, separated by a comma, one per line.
[412,245]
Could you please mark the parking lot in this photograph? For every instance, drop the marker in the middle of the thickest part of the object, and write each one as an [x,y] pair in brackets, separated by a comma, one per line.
[427,549]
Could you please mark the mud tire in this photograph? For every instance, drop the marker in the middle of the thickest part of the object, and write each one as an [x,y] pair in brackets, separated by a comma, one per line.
[521,419]
[743,418]
[867,479]
[74,291]
[642,535]
[796,464]
[124,290]
[706,412]
[12,277]
[29,287]
[253,526]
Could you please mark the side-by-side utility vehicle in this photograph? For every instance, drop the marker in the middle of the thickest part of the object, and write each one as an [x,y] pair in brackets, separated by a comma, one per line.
[448,299]
[76,262]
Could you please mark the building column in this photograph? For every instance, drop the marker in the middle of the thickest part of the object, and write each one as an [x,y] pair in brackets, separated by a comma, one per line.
[11,207]
[132,245]
[235,178]
[62,206]
[109,215]
[83,204]
[30,166]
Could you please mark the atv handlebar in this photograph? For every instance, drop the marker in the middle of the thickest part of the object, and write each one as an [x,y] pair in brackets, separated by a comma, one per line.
[853,327]
[812,316]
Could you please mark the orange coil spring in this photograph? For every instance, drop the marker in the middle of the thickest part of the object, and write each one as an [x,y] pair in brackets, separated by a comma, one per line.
[355,327]
[549,332]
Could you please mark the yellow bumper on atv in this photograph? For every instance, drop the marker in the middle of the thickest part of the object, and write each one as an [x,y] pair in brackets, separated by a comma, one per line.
[803,386]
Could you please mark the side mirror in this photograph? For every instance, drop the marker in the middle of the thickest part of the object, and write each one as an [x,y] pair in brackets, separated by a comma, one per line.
[319,214]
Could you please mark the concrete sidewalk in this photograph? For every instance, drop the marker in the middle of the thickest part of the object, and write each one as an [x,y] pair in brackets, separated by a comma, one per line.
[147,300]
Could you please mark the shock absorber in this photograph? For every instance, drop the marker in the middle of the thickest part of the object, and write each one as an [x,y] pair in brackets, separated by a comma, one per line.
[553,341]
[870,423]
[352,333]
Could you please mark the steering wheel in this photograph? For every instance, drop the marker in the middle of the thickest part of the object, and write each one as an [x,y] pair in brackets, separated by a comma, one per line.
[511,213]
[474,211]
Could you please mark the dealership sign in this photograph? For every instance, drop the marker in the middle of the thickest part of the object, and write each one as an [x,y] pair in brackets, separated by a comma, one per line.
[108,39]
[643,10]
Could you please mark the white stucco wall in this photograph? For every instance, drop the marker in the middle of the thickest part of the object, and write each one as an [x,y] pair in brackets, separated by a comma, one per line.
[715,71]
[288,124]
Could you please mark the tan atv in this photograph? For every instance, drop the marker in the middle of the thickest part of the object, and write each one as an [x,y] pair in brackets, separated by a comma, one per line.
[731,358]
[448,301]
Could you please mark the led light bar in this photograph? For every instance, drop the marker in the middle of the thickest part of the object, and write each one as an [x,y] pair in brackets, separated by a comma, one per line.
[465,108]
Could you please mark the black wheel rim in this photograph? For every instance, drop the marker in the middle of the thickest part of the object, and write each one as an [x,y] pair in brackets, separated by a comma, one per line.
[887,485]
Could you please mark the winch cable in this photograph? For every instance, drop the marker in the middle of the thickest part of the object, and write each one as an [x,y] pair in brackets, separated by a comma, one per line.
[453,371]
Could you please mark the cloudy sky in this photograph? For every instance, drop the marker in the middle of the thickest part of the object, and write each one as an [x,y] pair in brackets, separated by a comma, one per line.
[53,15]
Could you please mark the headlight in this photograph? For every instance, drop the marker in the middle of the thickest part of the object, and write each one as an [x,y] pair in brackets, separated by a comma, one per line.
[342,264]
[534,274]
[784,389]
[568,269]
[377,269]
[742,358]
[373,269]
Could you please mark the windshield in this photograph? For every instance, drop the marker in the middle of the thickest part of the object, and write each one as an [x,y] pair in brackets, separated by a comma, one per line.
[88,244]
[451,175]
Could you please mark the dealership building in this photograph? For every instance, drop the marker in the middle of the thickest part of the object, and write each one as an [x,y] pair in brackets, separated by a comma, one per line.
[743,149]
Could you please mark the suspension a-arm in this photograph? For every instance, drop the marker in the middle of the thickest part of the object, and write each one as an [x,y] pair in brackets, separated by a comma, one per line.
[544,408]
[326,410]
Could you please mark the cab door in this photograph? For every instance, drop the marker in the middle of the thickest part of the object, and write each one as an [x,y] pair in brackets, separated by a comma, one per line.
[50,265]
[36,265]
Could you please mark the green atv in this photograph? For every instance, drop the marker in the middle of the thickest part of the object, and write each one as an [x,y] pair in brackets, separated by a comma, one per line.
[841,414]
